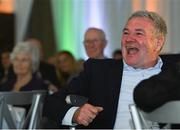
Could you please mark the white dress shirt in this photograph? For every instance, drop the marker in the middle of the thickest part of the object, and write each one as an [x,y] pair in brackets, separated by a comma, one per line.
[131,77]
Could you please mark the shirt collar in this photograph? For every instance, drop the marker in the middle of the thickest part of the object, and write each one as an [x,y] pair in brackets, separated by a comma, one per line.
[157,66]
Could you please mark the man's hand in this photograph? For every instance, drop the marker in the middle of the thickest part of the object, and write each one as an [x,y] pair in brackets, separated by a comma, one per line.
[86,114]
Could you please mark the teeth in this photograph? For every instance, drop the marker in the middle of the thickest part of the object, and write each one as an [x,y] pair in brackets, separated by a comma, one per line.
[130,47]
[132,50]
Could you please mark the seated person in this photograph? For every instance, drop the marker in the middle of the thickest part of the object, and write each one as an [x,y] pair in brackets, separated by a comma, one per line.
[46,71]
[6,63]
[95,43]
[109,83]
[25,61]
[65,67]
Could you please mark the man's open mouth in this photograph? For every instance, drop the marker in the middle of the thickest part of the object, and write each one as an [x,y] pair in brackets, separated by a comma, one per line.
[131,50]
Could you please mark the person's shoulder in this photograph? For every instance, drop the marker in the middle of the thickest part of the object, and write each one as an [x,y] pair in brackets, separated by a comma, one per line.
[170,68]
[7,85]
[102,61]
[167,64]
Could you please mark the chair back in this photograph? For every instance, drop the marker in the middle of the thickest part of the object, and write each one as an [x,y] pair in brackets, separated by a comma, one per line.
[34,99]
[168,113]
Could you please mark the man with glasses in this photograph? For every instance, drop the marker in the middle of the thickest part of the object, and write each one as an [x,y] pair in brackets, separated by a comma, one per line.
[95,43]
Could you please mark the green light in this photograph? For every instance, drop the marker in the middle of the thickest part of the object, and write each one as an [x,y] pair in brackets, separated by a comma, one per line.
[68,39]
[63,19]
[57,9]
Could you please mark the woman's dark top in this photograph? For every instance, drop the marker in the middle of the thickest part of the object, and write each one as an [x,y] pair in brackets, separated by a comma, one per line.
[35,83]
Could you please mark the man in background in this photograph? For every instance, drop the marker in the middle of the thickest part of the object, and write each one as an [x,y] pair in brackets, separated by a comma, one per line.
[46,71]
[95,43]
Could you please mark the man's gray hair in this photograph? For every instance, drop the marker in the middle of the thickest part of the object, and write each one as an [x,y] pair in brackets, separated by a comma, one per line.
[103,35]
[28,48]
[157,20]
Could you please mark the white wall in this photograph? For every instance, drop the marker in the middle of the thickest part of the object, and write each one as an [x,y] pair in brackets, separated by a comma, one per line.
[22,11]
[115,13]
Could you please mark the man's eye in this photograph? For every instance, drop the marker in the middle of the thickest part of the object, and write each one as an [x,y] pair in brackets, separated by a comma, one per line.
[139,34]
[125,33]
[95,40]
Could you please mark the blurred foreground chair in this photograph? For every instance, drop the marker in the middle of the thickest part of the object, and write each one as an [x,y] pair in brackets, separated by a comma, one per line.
[169,113]
[32,118]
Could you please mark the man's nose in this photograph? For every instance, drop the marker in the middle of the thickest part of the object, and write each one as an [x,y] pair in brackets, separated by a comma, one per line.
[130,38]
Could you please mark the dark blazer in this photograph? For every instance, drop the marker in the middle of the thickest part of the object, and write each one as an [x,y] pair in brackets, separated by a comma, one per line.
[100,82]
[159,89]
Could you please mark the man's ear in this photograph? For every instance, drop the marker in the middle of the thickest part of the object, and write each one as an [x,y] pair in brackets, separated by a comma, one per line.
[159,43]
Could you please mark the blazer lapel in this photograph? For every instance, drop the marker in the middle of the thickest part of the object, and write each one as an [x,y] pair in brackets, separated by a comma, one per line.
[115,76]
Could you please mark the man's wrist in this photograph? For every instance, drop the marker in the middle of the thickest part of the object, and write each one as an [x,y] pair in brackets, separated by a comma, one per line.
[68,118]
[74,118]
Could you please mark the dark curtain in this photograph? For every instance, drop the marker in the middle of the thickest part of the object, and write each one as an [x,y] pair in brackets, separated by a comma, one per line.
[40,26]
[6,31]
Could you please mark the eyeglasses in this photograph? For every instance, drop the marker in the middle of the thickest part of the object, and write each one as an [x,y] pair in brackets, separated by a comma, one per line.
[93,41]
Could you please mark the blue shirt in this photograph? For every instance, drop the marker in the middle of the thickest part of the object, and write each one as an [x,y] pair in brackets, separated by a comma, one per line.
[131,77]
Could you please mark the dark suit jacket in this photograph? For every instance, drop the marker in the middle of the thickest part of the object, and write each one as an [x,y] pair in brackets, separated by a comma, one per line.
[159,89]
[100,82]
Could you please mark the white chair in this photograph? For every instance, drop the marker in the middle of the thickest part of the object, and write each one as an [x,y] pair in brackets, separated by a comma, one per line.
[32,118]
[168,113]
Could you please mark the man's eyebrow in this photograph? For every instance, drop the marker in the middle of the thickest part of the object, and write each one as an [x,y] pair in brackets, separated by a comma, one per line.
[138,29]
[125,29]
[141,30]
